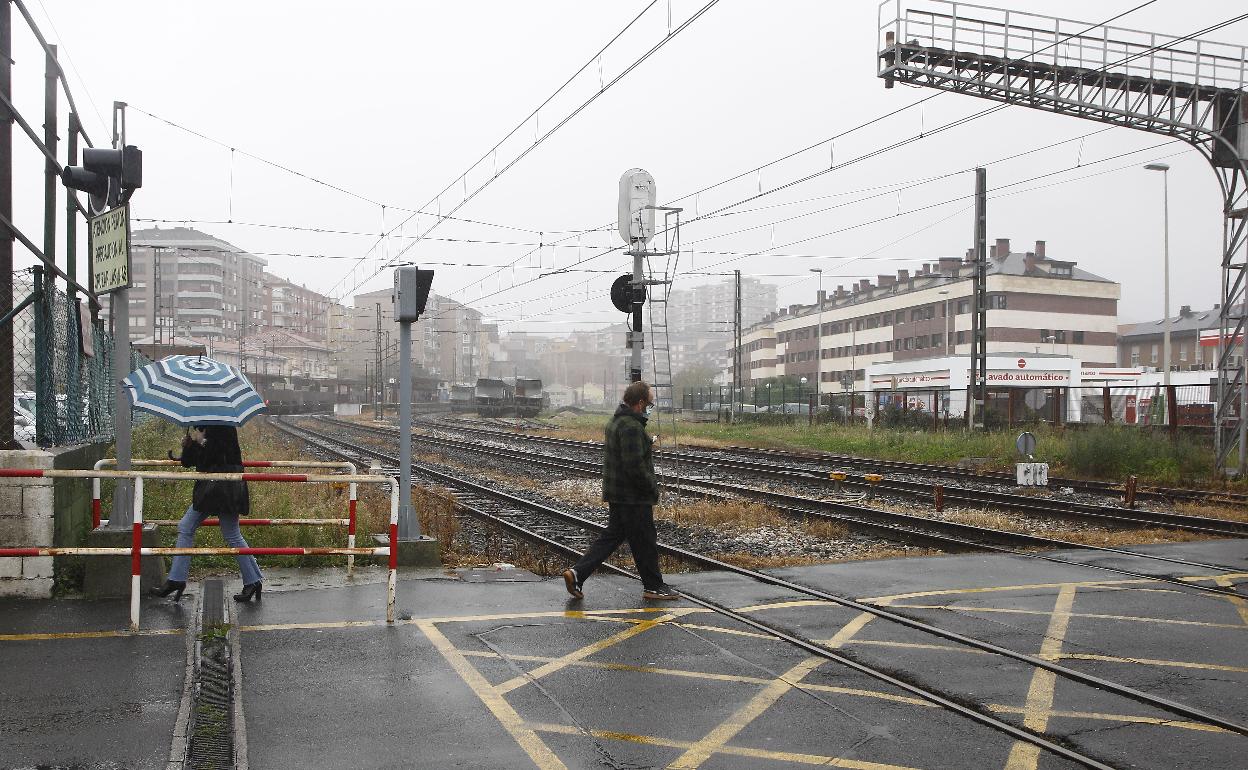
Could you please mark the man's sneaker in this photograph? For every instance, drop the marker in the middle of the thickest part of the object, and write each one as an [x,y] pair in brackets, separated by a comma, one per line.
[663,592]
[573,583]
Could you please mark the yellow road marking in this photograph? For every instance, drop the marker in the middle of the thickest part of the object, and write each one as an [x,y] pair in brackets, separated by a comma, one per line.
[739,751]
[740,678]
[1153,662]
[87,635]
[1199,726]
[1034,586]
[1012,611]
[715,740]
[586,651]
[537,750]
[1241,606]
[1026,756]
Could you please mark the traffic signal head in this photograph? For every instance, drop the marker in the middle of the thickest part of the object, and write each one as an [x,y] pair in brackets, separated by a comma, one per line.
[411,292]
[109,176]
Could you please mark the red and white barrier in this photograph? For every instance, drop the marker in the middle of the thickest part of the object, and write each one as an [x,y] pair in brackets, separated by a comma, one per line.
[137,551]
[345,467]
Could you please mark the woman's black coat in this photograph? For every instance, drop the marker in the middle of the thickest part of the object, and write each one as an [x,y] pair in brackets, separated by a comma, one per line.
[219,453]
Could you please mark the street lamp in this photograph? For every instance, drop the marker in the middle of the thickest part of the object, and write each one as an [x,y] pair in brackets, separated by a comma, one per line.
[1165,323]
[819,340]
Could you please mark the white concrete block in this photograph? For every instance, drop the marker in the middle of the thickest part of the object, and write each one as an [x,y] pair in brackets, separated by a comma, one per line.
[36,588]
[37,567]
[10,568]
[38,501]
[26,458]
[17,532]
[10,498]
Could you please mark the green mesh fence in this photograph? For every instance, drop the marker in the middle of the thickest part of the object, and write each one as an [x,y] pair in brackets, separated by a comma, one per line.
[62,395]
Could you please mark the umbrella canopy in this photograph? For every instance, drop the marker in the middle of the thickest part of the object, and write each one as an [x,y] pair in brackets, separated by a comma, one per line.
[193,390]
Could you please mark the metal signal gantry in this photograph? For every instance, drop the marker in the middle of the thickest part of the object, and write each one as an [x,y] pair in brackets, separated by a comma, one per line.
[1177,86]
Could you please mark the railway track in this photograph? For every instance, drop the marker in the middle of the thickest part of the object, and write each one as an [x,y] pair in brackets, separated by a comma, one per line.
[919,491]
[470,504]
[1103,488]
[892,525]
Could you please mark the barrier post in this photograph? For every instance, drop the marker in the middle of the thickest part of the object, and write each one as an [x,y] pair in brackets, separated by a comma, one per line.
[136,553]
[938,497]
[95,502]
[394,549]
[352,496]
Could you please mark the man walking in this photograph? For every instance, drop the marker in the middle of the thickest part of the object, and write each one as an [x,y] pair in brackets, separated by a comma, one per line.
[630,488]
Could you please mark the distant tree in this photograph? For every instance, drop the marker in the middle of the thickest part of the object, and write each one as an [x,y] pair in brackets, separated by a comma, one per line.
[694,377]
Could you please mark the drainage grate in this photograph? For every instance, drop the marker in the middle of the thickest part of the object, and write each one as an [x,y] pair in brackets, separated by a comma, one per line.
[211,743]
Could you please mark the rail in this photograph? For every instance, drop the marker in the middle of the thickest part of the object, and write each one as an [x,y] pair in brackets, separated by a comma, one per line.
[136,550]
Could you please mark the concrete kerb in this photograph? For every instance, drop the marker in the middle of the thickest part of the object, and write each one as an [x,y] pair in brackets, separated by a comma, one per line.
[137,550]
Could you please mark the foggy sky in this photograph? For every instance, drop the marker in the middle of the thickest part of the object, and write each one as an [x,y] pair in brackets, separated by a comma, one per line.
[394,100]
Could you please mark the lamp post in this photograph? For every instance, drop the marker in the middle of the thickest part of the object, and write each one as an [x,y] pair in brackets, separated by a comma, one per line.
[819,341]
[800,383]
[769,397]
[1165,323]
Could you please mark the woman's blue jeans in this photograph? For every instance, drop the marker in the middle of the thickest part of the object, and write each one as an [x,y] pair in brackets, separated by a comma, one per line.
[233,538]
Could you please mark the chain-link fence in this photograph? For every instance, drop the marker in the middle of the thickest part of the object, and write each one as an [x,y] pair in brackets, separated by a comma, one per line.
[62,369]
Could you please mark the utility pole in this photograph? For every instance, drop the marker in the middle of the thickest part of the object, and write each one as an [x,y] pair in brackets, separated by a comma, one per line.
[637,337]
[736,344]
[978,385]
[378,380]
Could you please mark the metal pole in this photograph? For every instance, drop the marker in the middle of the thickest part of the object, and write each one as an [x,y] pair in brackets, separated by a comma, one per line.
[1165,340]
[74,357]
[119,303]
[6,239]
[378,382]
[637,336]
[409,525]
[736,345]
[977,386]
[819,342]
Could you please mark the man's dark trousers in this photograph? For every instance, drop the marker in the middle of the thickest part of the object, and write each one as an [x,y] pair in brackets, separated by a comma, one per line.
[634,523]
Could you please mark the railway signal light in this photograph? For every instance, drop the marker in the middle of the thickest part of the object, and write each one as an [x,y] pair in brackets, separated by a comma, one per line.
[411,292]
[109,176]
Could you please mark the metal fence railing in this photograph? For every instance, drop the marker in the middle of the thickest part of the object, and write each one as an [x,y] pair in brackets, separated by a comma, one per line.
[1176,406]
[62,388]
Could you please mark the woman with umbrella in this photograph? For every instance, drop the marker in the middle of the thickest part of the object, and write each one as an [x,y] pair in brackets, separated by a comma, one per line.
[214,399]
[214,449]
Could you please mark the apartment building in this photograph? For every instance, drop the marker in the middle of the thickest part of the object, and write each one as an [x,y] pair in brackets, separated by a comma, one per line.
[294,308]
[700,320]
[193,284]
[450,342]
[1036,304]
[1193,341]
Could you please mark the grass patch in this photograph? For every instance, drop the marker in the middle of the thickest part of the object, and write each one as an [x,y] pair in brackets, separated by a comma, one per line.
[170,499]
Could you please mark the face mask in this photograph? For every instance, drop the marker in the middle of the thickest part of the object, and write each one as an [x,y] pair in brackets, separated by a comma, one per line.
[649,410]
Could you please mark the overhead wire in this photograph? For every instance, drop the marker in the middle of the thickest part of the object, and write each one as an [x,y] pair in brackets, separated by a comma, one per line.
[671,35]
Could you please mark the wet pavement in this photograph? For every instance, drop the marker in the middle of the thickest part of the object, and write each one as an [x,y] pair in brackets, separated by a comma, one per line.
[512,674]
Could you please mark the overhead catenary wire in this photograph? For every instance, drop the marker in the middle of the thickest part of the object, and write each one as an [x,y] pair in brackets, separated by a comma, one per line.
[538,141]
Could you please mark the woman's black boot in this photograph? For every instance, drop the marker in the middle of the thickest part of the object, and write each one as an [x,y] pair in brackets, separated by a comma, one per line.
[249,590]
[168,588]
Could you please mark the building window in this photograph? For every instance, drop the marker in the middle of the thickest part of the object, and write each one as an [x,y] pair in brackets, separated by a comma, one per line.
[1077,337]
[961,338]
[964,306]
[996,301]
[936,340]
[901,316]
[909,343]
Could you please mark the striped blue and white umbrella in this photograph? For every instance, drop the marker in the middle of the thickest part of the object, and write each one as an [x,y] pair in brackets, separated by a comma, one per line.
[194,390]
